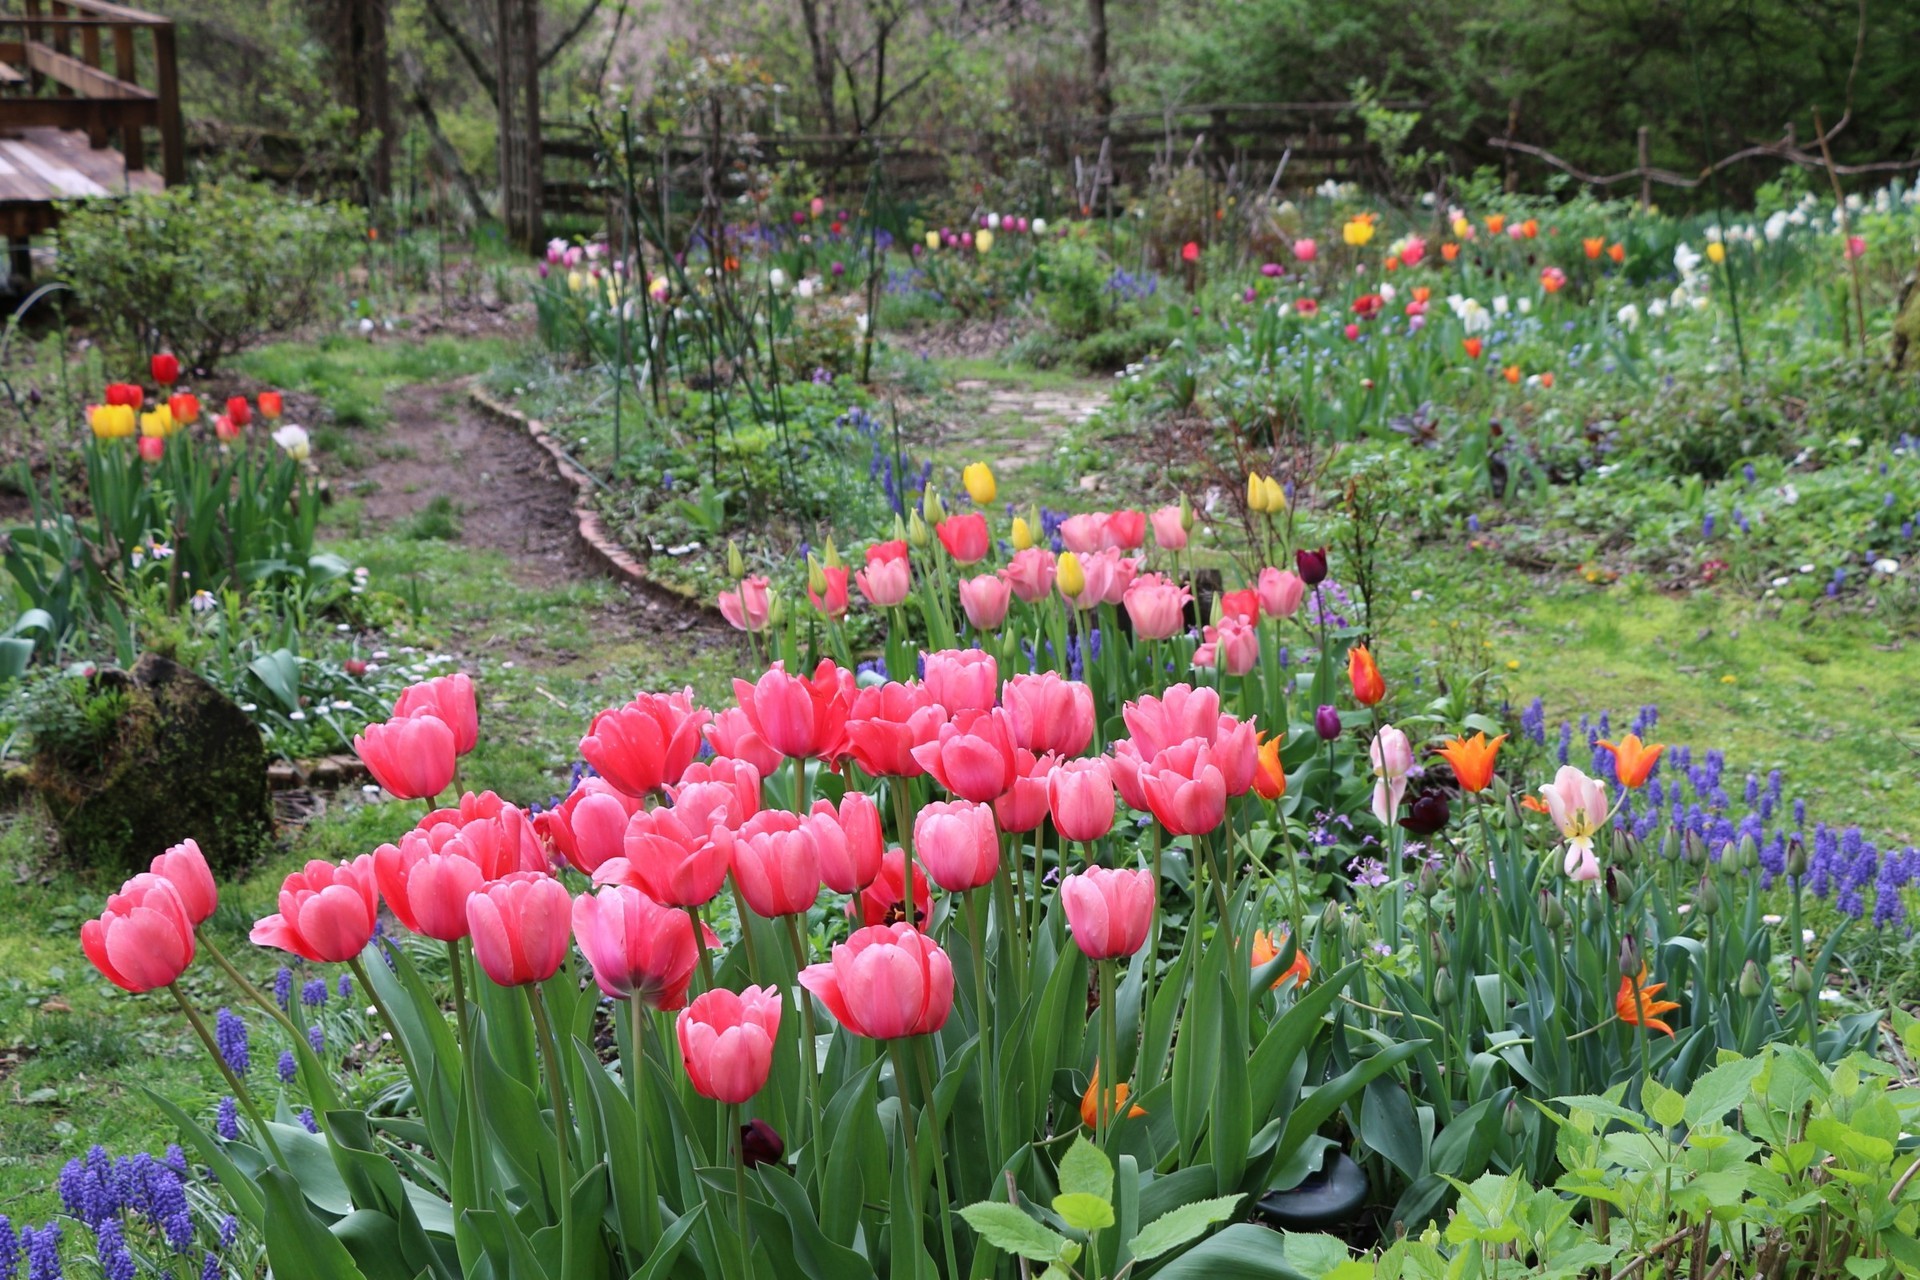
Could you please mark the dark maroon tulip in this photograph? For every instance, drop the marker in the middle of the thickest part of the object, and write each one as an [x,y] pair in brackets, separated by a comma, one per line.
[760,1144]
[1312,566]
[1326,723]
[1427,814]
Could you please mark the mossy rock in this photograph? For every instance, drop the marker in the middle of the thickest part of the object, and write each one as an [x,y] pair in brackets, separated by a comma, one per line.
[183,762]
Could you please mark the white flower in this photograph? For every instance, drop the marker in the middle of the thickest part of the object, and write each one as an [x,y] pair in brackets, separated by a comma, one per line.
[1387,291]
[1500,304]
[1788,494]
[296,715]
[1884,565]
[1328,190]
[1475,318]
[1685,260]
[1657,308]
[1039,226]
[993,222]
[860,323]
[776,279]
[202,601]
[1526,306]
[293,440]
[805,288]
[1628,317]
[1698,304]
[366,325]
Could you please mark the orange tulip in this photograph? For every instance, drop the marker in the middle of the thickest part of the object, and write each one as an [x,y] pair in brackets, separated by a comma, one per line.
[1530,228]
[1633,760]
[1364,673]
[1116,1099]
[1512,373]
[1594,245]
[1269,776]
[1618,252]
[1449,251]
[1472,347]
[1546,379]
[1637,1006]
[1265,952]
[1472,760]
[1496,223]
[1421,293]
[1535,803]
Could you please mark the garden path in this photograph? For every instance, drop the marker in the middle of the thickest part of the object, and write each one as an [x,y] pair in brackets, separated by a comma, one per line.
[1015,424]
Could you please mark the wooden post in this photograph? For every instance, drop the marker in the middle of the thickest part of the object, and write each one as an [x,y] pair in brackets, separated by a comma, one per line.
[126,67]
[90,54]
[1646,172]
[30,35]
[173,152]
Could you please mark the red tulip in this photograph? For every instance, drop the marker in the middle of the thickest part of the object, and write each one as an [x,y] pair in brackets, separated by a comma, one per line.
[776,860]
[800,716]
[1049,713]
[185,407]
[165,368]
[411,756]
[834,603]
[270,406]
[152,448]
[224,430]
[1472,346]
[985,599]
[885,900]
[1241,605]
[727,1041]
[1363,673]
[886,722]
[962,679]
[1127,530]
[520,928]
[973,756]
[126,393]
[1186,789]
[958,843]
[449,697]
[885,982]
[1023,806]
[1190,251]
[144,939]
[185,868]
[1109,911]
[733,734]
[589,827]
[647,743]
[851,863]
[327,912]
[1080,797]
[638,948]
[1179,713]
[671,859]
[239,412]
[427,889]
[964,537]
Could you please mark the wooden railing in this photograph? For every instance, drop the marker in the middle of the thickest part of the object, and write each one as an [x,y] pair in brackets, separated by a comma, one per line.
[54,72]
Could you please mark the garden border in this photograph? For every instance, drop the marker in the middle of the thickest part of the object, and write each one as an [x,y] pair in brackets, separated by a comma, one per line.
[592,530]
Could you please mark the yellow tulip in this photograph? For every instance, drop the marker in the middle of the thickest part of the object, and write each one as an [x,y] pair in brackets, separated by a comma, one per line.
[1358,230]
[933,239]
[1256,493]
[983,240]
[576,281]
[1275,495]
[1068,574]
[110,421]
[1716,252]
[1461,226]
[159,423]
[978,478]
[1022,534]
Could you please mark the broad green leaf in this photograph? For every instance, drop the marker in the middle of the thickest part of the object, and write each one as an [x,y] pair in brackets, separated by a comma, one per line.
[1188,1222]
[1086,1170]
[1010,1230]
[1083,1212]
[1722,1089]
[1313,1253]
[299,1246]
[1241,1252]
[1665,1105]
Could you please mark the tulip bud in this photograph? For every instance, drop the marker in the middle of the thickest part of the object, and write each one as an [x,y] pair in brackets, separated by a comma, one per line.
[1625,848]
[1802,979]
[1186,514]
[932,510]
[816,576]
[1429,880]
[832,559]
[1311,565]
[1427,814]
[1749,853]
[760,1143]
[1326,723]
[1797,858]
[776,609]
[1619,885]
[1670,845]
[736,563]
[1256,492]
[1706,899]
[916,531]
[1442,952]
[1513,1121]
[1443,987]
[1696,848]
[1022,534]
[1068,575]
[1552,913]
[1514,818]
[899,528]
[1356,932]
[1463,873]
[1332,919]
[1630,961]
[1750,983]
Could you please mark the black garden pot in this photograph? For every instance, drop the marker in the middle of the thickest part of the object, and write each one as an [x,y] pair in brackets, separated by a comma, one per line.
[1329,1198]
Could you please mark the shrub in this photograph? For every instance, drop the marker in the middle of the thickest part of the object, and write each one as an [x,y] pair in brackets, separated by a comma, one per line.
[201,271]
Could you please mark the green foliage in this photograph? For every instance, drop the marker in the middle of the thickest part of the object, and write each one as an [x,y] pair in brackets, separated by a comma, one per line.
[202,271]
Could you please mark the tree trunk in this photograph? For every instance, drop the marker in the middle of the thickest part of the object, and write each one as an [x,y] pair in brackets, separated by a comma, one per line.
[518,84]
[1097,62]
[822,64]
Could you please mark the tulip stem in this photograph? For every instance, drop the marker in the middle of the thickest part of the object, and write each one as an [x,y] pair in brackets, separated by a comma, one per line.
[911,1143]
[240,1091]
[550,1054]
[636,1090]
[249,990]
[810,1043]
[380,1007]
[1106,1100]
[989,1059]
[939,1156]
[469,1076]
[740,1194]
[700,943]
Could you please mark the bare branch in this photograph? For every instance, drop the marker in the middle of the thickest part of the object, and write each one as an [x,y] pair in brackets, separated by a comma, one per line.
[464,47]
[572,33]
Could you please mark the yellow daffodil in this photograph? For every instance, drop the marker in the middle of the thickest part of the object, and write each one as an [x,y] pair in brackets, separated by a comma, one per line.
[981,487]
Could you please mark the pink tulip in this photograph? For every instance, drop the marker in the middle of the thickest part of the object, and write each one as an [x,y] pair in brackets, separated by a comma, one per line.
[776,861]
[885,900]
[1049,713]
[1578,806]
[638,948]
[1236,749]
[1127,530]
[958,843]
[411,756]
[973,756]
[1305,250]
[1087,533]
[427,890]
[738,781]
[834,603]
[589,827]
[885,582]
[1080,797]
[1280,591]
[1157,606]
[1856,247]
[449,697]
[185,868]
[494,835]
[1392,757]
[985,600]
[732,734]
[727,1041]
[1170,529]
[747,606]
[1128,768]
[886,722]
[1120,577]
[1186,789]
[885,982]
[1110,912]
[520,928]
[965,537]
[647,743]
[850,864]
[327,912]
[1233,646]
[1023,806]
[671,855]
[144,938]
[962,679]
[1180,712]
[1030,574]
[1099,570]
[800,716]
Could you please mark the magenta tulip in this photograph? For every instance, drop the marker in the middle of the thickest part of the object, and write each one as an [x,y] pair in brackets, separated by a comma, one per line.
[801,717]
[1049,713]
[449,697]
[1022,807]
[850,864]
[638,949]
[427,890]
[1080,797]
[886,722]
[962,679]
[973,756]
[776,861]
[958,843]
[185,868]
[589,827]
[1170,529]
[327,911]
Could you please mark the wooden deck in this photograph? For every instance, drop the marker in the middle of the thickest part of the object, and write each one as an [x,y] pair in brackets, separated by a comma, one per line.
[74,113]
